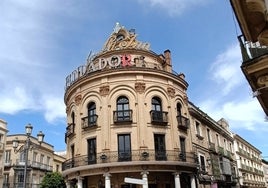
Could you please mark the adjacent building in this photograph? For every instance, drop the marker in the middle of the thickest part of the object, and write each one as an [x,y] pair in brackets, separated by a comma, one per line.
[3,133]
[249,163]
[41,159]
[252,19]
[213,144]
[265,171]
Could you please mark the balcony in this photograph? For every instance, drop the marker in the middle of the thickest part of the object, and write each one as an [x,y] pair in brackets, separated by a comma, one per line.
[41,166]
[159,117]
[183,122]
[70,130]
[123,116]
[221,150]
[131,156]
[33,164]
[89,121]
[212,147]
[255,69]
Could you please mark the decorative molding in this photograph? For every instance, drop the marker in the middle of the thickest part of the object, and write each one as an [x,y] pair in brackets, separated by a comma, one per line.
[104,90]
[171,92]
[263,80]
[140,87]
[78,99]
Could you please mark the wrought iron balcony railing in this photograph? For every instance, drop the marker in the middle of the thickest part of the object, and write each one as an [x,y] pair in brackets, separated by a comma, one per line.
[159,117]
[34,164]
[251,50]
[89,121]
[183,122]
[70,129]
[212,147]
[123,116]
[134,155]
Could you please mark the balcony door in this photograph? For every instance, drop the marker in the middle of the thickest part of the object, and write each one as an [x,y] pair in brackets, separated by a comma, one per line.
[183,149]
[160,147]
[91,145]
[124,147]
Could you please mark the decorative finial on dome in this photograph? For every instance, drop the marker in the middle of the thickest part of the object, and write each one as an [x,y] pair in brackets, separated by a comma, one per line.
[117,27]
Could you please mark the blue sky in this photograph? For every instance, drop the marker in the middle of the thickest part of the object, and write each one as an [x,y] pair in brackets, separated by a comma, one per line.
[44,41]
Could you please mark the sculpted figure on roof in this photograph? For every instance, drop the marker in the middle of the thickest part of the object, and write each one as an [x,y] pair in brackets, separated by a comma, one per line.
[121,38]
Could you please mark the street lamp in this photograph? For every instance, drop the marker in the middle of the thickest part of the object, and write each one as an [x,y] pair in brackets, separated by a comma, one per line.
[26,147]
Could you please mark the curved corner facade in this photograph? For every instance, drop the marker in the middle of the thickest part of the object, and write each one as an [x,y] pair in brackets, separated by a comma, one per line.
[127,116]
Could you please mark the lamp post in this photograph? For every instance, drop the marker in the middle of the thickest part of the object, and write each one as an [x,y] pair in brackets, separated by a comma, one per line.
[25,148]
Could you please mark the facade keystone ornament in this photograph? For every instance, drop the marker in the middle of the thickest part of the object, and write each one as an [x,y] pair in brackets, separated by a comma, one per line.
[78,99]
[140,87]
[171,92]
[104,90]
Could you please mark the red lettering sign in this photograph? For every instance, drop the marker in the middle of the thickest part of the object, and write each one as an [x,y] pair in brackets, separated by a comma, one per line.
[126,59]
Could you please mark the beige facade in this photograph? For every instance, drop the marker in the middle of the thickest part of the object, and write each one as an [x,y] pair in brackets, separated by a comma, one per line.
[249,163]
[213,143]
[41,159]
[3,133]
[127,116]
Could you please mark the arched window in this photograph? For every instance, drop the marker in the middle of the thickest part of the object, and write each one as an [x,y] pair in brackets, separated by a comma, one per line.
[157,115]
[71,126]
[178,109]
[73,118]
[122,113]
[92,116]
[156,104]
[183,122]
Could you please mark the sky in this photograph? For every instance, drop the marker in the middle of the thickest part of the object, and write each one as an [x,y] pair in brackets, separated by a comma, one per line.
[42,42]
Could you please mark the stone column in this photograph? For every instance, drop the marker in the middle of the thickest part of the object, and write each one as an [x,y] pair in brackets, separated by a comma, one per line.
[107,180]
[177,180]
[193,185]
[80,182]
[145,178]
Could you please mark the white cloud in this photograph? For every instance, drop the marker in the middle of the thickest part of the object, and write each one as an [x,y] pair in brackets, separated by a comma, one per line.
[226,70]
[244,114]
[54,108]
[14,100]
[27,71]
[232,100]
[174,7]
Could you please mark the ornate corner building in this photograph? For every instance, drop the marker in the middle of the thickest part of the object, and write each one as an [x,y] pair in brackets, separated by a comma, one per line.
[128,115]
[252,18]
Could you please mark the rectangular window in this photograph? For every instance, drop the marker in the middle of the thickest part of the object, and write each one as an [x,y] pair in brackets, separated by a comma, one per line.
[217,140]
[20,178]
[42,159]
[183,150]
[160,147]
[7,156]
[6,180]
[208,135]
[198,129]
[22,157]
[124,147]
[202,163]
[48,160]
[92,153]
[35,156]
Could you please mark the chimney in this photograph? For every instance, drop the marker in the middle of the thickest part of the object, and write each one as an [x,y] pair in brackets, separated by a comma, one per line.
[167,55]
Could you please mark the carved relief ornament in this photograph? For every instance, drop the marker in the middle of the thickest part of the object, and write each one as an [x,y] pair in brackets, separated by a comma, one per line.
[104,90]
[140,87]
